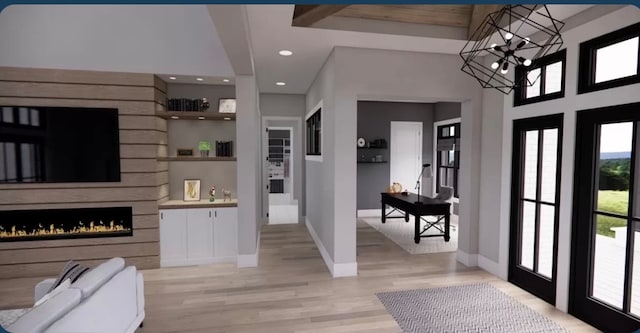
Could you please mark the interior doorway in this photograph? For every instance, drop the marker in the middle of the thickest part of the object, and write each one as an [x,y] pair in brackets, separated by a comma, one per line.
[282,203]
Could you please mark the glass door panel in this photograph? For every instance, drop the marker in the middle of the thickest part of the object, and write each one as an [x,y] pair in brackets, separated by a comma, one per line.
[534,201]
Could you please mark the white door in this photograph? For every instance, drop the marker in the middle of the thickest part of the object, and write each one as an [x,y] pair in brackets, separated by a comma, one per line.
[225,231]
[406,154]
[173,236]
[199,234]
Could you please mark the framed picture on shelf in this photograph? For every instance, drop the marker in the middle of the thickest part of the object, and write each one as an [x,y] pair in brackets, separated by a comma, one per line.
[227,105]
[191,190]
[184,152]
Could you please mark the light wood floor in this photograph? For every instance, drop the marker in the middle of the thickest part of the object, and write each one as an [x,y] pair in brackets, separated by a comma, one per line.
[292,291]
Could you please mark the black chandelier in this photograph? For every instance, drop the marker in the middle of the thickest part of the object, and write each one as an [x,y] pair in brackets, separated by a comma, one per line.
[514,36]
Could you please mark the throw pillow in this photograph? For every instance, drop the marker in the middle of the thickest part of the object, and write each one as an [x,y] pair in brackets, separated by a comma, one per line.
[72,270]
[62,287]
[2,330]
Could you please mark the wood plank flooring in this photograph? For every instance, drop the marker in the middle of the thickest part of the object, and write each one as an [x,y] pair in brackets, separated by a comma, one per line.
[292,291]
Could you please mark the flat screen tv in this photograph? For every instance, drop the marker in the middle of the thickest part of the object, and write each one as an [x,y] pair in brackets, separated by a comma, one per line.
[59,145]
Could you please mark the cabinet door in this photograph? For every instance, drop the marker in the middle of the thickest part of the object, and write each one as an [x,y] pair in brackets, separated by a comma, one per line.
[173,236]
[199,234]
[225,230]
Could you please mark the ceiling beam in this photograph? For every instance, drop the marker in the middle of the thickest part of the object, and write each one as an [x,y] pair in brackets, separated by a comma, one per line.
[307,15]
[478,14]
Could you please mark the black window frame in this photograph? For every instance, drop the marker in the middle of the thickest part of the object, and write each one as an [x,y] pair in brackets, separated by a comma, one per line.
[314,133]
[587,60]
[520,92]
[455,168]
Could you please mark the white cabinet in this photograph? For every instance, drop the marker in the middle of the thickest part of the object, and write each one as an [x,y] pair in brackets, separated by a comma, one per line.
[197,236]
[173,236]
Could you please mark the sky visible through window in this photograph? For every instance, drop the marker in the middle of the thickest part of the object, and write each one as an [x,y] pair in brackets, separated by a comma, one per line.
[617,60]
[616,137]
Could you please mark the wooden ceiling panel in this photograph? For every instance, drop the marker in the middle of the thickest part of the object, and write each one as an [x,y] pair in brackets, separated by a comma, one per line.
[445,15]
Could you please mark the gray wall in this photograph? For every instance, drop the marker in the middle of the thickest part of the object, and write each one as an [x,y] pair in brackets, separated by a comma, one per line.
[374,122]
[187,134]
[319,176]
[289,105]
[249,168]
[447,110]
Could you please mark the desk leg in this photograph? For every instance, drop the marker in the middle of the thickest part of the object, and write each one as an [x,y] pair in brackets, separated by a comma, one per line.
[406,217]
[384,213]
[416,235]
[446,227]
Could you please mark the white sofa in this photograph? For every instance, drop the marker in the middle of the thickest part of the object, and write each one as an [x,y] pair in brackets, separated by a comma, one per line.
[107,299]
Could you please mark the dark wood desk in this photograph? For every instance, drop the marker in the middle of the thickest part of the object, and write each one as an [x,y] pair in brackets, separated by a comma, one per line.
[417,206]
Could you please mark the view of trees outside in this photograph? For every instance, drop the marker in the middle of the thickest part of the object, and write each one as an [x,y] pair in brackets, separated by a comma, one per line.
[615,165]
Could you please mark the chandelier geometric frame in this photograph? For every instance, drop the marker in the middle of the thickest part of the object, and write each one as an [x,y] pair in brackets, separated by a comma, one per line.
[514,36]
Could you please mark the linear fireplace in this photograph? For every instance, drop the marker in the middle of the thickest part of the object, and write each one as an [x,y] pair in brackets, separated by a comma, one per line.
[43,224]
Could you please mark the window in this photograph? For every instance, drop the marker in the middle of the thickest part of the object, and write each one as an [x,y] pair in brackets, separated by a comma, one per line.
[448,158]
[611,60]
[542,81]
[314,133]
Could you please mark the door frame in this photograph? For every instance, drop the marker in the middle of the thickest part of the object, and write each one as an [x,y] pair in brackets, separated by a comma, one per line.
[580,303]
[533,282]
[265,163]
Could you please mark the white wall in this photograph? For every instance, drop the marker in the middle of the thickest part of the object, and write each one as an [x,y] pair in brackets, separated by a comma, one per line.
[370,74]
[160,39]
[567,105]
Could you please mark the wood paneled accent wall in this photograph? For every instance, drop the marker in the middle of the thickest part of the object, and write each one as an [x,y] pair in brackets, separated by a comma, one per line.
[144,180]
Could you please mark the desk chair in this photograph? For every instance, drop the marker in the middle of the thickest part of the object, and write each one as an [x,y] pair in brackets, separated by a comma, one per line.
[445,194]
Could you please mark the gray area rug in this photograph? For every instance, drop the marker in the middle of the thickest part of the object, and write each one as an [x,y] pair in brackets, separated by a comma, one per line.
[468,308]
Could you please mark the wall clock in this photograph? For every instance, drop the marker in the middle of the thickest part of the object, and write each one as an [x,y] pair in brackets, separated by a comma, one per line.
[361,142]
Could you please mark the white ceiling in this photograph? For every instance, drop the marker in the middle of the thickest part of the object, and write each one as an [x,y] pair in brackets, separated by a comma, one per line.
[271,31]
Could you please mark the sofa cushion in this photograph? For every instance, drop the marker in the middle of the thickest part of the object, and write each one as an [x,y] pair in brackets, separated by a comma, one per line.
[59,289]
[41,317]
[96,277]
[111,309]
[72,270]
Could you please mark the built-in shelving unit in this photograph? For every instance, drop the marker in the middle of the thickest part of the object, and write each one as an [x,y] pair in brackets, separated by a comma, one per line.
[190,115]
[195,159]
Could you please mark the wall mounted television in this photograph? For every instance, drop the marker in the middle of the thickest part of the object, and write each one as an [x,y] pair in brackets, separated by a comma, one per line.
[59,145]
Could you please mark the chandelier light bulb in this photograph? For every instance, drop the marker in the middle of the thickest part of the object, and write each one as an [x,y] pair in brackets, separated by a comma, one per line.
[527,62]
[505,68]
[508,36]
[493,46]
[527,40]
[495,65]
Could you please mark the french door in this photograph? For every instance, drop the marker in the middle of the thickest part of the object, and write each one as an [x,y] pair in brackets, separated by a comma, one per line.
[605,272]
[535,196]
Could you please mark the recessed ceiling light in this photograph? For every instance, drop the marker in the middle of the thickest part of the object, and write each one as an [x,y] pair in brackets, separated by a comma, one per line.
[285,53]
[225,80]
[227,118]
[172,77]
[200,79]
[280,84]
[175,117]
[201,118]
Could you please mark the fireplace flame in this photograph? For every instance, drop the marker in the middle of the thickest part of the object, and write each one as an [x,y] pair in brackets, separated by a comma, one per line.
[51,229]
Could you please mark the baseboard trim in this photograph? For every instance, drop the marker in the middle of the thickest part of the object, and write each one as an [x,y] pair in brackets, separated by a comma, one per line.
[197,261]
[250,260]
[469,260]
[336,270]
[369,213]
[489,265]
